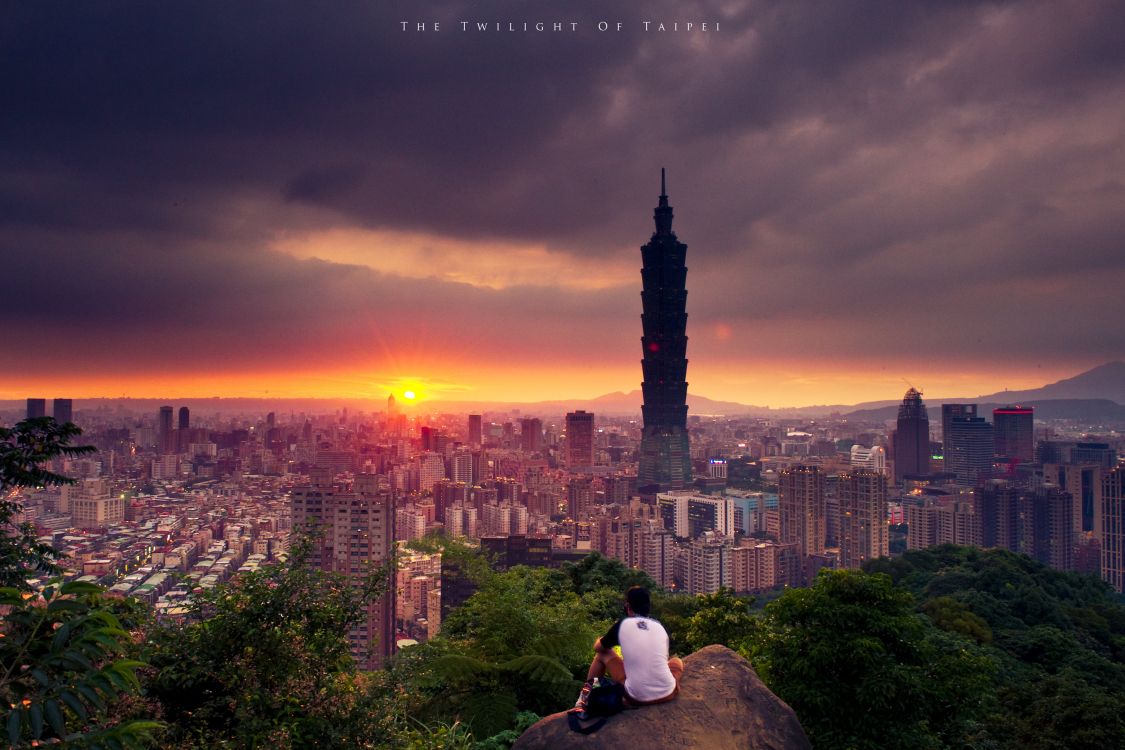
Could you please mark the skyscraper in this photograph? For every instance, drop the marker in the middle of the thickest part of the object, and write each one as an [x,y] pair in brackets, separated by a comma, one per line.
[912,437]
[1014,431]
[63,410]
[164,430]
[580,439]
[968,447]
[665,461]
[948,412]
[184,419]
[531,434]
[36,407]
[475,432]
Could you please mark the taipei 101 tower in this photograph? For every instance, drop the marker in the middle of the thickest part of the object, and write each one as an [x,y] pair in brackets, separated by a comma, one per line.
[665,455]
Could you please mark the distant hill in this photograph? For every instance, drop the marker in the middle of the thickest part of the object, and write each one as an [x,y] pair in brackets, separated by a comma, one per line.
[1104,381]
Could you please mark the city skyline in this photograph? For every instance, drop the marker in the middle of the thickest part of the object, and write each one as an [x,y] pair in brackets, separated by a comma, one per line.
[313,202]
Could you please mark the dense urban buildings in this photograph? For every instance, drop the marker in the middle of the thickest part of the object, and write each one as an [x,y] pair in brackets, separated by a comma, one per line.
[665,459]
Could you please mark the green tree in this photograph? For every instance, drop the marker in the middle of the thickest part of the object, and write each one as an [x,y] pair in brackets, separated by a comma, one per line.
[24,449]
[265,661]
[723,618]
[63,665]
[863,669]
[518,644]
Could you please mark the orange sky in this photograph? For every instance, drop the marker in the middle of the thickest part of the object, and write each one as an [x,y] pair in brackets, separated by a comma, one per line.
[775,385]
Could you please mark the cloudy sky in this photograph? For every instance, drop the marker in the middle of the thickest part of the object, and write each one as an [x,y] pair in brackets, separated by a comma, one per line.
[297,198]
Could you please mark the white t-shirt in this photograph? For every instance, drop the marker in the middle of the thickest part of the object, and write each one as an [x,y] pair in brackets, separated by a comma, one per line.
[644,649]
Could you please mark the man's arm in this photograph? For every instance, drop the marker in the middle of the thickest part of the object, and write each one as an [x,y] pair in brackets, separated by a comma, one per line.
[606,643]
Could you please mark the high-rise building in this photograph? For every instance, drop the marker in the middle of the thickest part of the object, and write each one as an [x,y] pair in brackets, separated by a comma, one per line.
[1113,529]
[580,439]
[1084,483]
[863,517]
[531,434]
[665,460]
[801,509]
[352,535]
[968,447]
[1013,428]
[461,466]
[580,498]
[710,564]
[912,438]
[476,432]
[998,506]
[184,421]
[948,412]
[63,411]
[36,408]
[164,438]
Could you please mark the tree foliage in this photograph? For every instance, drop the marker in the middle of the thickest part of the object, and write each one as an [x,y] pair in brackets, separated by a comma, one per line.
[863,669]
[61,656]
[24,449]
[64,666]
[265,660]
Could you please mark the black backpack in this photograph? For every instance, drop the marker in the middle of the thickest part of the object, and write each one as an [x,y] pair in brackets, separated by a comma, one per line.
[605,700]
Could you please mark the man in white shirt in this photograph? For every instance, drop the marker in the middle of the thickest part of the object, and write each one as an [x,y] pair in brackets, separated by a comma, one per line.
[644,668]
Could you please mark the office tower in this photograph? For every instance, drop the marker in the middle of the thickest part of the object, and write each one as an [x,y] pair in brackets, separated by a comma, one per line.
[63,410]
[476,433]
[164,439]
[1113,529]
[801,509]
[665,460]
[531,435]
[968,447]
[36,408]
[948,412]
[184,419]
[351,535]
[912,438]
[863,517]
[580,440]
[1014,430]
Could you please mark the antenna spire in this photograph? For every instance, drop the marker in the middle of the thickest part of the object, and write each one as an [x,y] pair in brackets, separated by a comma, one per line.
[663,213]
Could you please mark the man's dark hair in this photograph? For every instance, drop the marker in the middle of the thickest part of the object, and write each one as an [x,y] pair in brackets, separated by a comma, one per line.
[639,600]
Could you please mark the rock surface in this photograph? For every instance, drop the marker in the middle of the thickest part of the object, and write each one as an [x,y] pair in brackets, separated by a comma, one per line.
[722,704]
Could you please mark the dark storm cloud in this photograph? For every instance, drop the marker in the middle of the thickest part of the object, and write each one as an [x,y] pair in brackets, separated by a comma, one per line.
[855,171]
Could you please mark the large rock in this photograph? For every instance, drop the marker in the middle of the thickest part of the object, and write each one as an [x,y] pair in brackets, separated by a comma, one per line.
[722,704]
